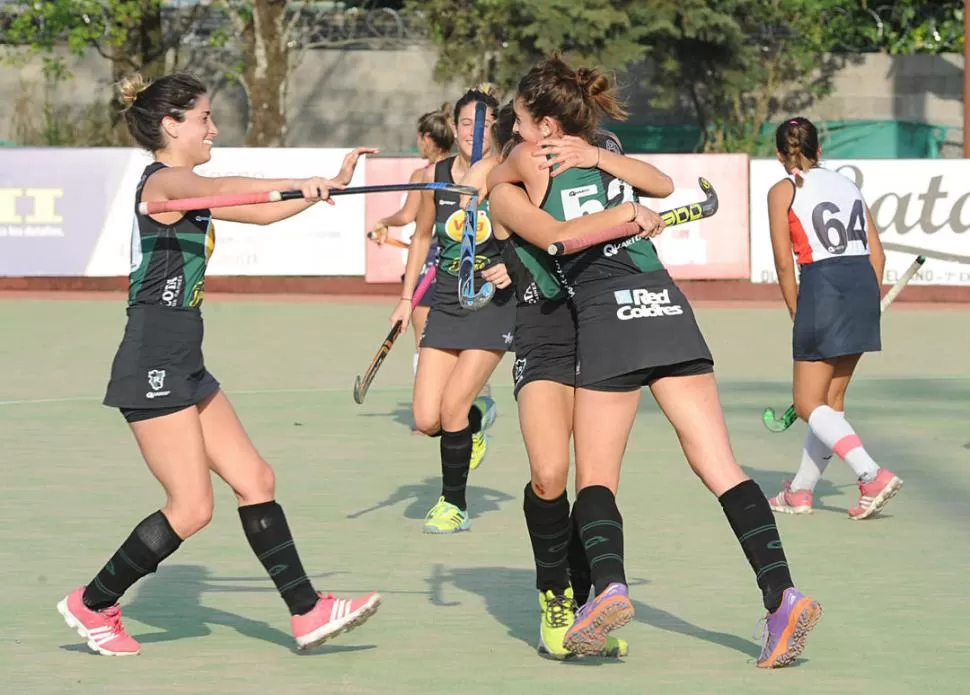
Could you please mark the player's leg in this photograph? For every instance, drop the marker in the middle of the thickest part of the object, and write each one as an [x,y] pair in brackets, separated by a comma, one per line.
[689,399]
[603,417]
[172,446]
[545,419]
[461,435]
[812,384]
[314,618]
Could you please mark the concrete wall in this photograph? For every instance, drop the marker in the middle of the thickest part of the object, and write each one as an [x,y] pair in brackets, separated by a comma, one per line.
[348,97]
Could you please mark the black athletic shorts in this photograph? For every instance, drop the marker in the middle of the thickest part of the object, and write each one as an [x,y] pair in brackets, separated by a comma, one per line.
[629,327]
[545,343]
[158,368]
[450,327]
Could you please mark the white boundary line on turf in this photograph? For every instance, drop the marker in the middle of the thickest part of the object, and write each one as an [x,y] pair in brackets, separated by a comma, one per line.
[240,392]
[384,389]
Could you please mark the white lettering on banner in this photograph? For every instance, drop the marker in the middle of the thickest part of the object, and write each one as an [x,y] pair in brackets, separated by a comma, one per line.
[643,304]
[30,212]
[323,240]
[921,203]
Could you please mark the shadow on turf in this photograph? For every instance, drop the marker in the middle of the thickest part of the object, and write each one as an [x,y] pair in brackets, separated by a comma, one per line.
[510,598]
[422,496]
[171,601]
[401,415]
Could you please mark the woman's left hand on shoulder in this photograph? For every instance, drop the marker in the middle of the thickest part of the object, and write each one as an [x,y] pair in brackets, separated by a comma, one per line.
[566,153]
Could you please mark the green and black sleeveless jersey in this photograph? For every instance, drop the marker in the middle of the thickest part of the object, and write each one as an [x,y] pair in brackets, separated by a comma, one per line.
[168,262]
[450,223]
[579,192]
[533,272]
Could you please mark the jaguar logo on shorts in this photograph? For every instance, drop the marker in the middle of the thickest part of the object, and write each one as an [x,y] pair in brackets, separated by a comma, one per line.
[645,304]
[156,382]
[531,294]
[518,370]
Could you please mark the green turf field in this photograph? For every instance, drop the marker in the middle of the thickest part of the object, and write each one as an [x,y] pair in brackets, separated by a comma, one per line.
[460,613]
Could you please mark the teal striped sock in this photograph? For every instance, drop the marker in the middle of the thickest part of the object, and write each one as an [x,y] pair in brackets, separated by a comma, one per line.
[270,538]
[753,522]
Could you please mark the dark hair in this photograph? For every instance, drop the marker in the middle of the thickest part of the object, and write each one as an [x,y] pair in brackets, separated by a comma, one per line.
[572,97]
[797,141]
[147,103]
[485,92]
[437,126]
[502,130]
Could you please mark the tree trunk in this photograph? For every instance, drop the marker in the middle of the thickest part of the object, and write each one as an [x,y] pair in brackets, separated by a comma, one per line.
[265,67]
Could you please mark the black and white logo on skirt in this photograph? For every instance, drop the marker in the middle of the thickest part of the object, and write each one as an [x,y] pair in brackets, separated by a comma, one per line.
[645,304]
[156,382]
[518,370]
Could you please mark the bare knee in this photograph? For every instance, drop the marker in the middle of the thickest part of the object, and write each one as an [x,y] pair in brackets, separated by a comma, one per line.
[259,487]
[454,412]
[427,421]
[189,514]
[805,406]
[549,481]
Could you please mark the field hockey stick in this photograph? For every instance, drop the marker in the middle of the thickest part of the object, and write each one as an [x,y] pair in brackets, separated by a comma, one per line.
[467,296]
[389,240]
[362,384]
[781,424]
[679,215]
[234,199]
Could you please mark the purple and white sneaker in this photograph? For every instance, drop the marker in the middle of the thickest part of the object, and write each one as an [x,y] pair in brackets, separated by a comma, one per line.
[609,611]
[785,630]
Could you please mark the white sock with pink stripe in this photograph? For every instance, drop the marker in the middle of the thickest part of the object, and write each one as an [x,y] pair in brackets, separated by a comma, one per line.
[834,431]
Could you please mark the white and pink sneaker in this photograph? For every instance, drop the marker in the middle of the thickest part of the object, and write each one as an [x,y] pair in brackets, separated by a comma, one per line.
[331,616]
[790,501]
[874,496]
[103,630]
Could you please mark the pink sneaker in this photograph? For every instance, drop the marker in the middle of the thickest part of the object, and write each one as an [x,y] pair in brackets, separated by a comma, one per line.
[790,501]
[331,616]
[874,496]
[102,629]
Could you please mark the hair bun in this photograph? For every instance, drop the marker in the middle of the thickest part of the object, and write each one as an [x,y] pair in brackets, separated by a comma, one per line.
[130,87]
[488,89]
[592,81]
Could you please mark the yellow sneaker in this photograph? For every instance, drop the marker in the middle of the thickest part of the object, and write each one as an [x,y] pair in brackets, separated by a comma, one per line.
[479,449]
[558,613]
[445,517]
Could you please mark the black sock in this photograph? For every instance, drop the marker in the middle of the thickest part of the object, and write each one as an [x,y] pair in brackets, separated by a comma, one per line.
[456,456]
[752,521]
[270,538]
[150,542]
[579,574]
[548,524]
[601,530]
[474,420]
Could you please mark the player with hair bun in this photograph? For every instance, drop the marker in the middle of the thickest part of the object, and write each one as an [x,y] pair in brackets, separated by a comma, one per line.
[634,328]
[822,216]
[184,424]
[436,138]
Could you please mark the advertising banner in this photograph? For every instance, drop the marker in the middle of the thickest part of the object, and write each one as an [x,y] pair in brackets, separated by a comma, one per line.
[69,212]
[917,205]
[715,248]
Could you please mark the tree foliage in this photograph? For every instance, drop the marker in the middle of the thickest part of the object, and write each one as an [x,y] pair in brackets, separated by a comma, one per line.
[499,40]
